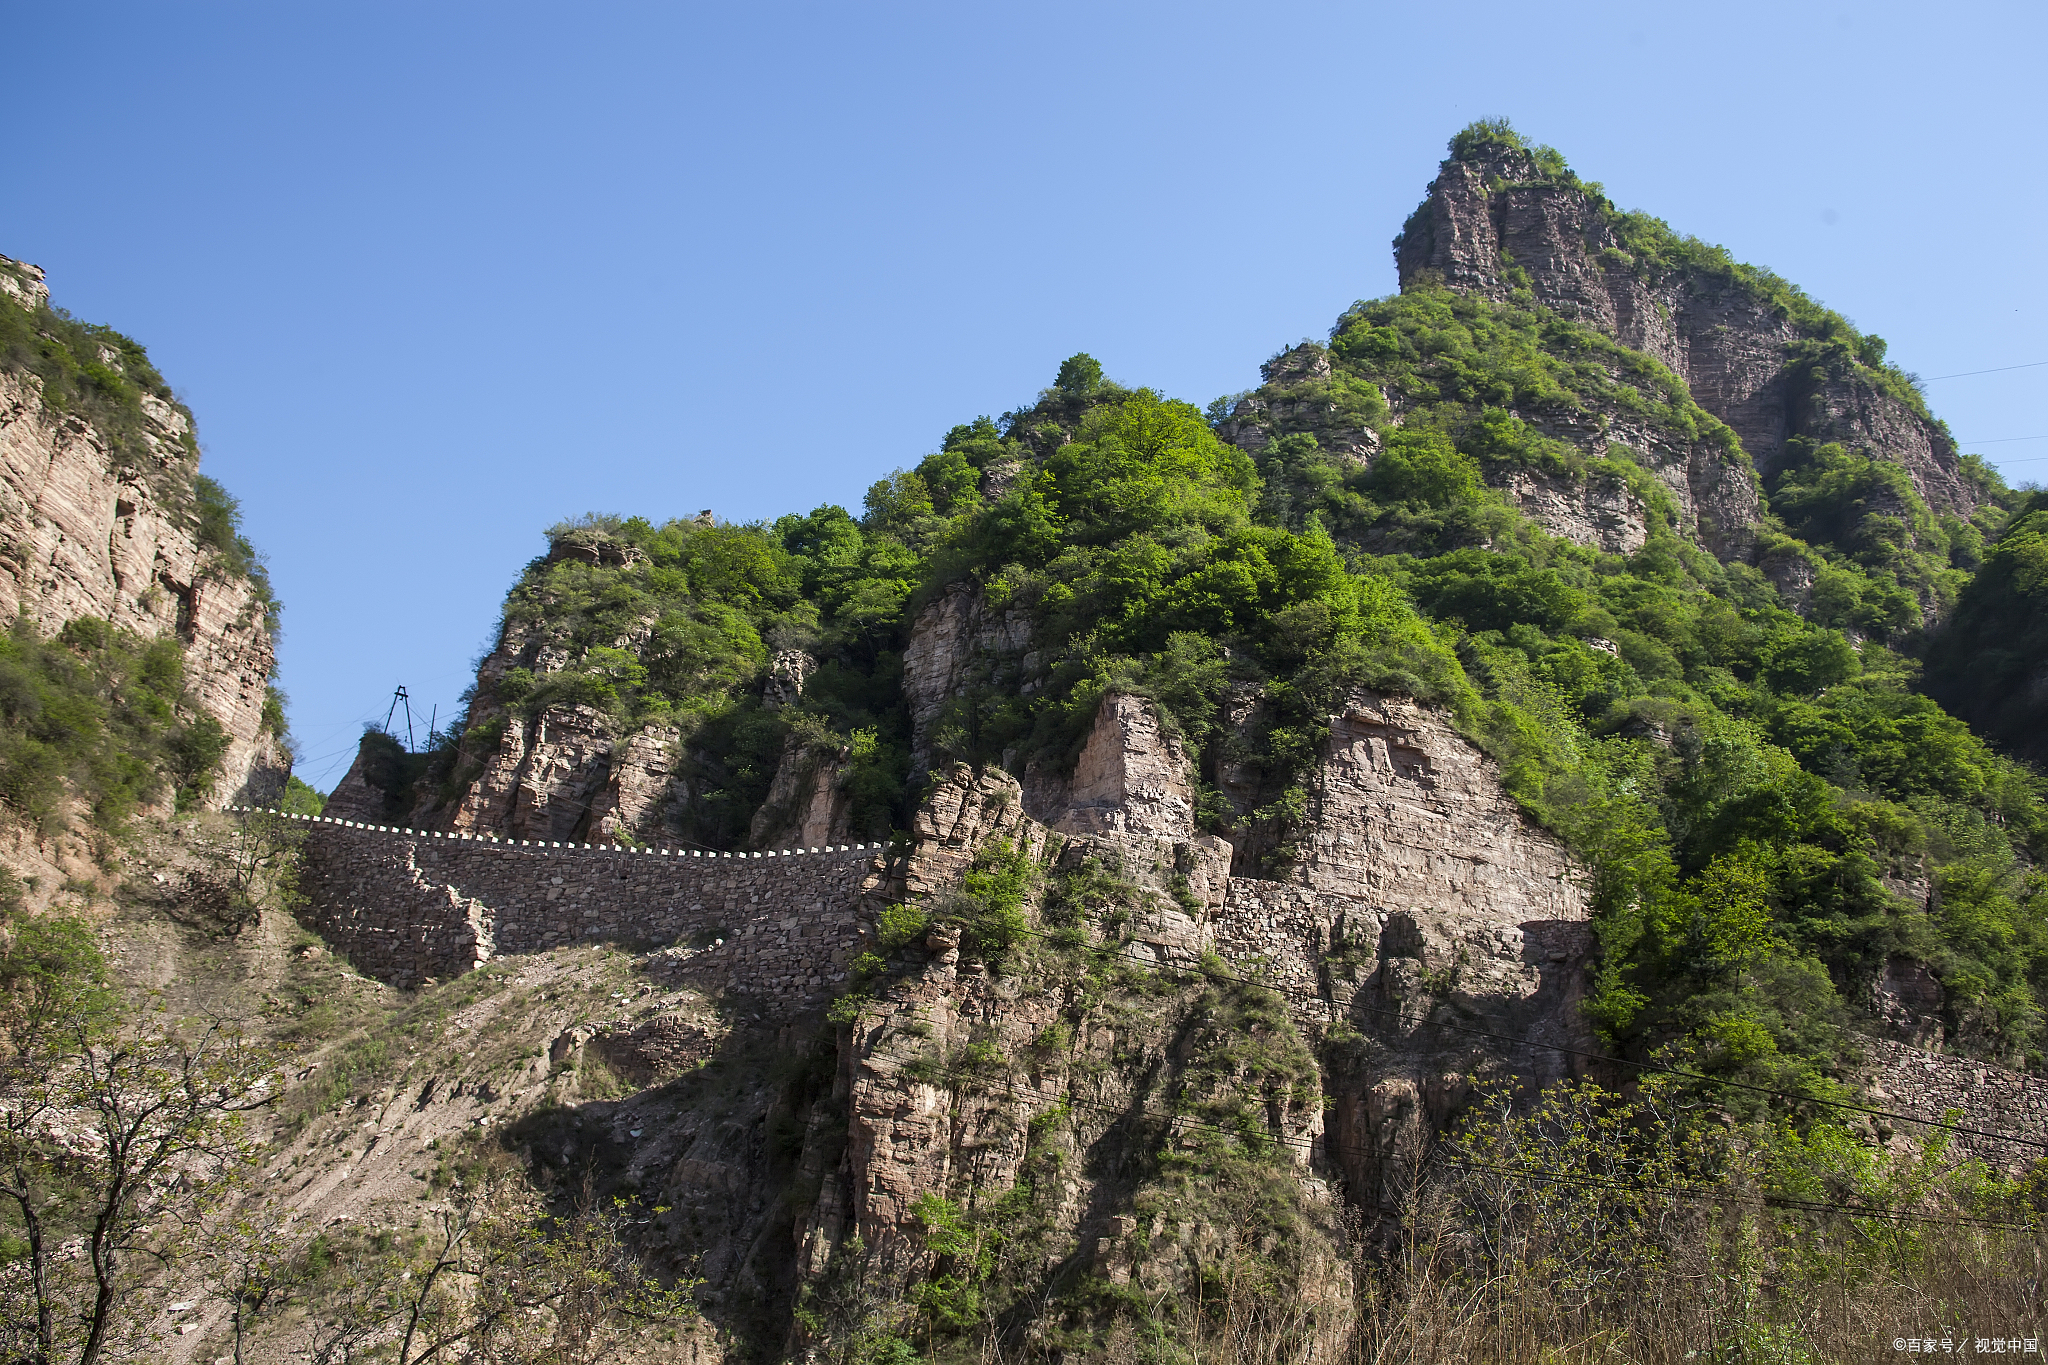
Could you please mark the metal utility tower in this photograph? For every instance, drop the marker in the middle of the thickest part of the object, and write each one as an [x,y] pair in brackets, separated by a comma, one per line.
[398,699]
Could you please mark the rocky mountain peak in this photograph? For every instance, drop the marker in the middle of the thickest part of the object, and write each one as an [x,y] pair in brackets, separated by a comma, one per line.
[22,284]
[1512,223]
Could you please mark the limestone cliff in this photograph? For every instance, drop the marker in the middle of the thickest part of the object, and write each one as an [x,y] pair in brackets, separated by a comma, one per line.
[1424,913]
[92,527]
[1496,222]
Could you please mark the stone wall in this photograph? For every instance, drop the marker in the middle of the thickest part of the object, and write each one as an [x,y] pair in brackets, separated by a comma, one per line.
[406,906]
[1907,1080]
[1435,996]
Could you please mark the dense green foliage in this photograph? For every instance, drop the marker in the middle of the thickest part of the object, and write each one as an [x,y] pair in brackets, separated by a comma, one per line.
[1743,779]
[1989,663]
[217,523]
[300,798]
[101,714]
[681,635]
[1773,814]
[1755,792]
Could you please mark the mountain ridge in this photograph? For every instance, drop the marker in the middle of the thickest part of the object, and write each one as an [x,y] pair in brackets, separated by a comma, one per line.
[1296,841]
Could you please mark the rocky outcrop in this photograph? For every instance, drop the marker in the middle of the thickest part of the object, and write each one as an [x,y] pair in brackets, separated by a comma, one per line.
[1604,514]
[1440,922]
[639,786]
[1424,916]
[585,545]
[1295,395]
[963,814]
[544,779]
[1409,815]
[373,788]
[80,535]
[805,806]
[956,642]
[1488,218]
[786,674]
[1131,778]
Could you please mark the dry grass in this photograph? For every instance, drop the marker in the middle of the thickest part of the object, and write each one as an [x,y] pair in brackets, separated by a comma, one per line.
[1741,1285]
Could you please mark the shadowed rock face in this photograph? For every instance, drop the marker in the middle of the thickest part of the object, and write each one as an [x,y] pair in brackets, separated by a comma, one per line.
[81,537]
[957,639]
[805,806]
[1438,915]
[1731,347]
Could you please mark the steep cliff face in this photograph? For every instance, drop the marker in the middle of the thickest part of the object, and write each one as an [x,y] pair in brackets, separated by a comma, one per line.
[89,530]
[1465,926]
[1409,815]
[1423,915]
[957,639]
[1499,223]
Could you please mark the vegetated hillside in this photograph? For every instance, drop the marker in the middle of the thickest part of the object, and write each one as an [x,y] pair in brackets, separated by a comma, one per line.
[1990,664]
[1304,816]
[1702,677]
[1588,523]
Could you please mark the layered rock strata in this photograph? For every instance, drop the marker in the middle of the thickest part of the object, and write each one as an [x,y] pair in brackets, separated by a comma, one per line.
[82,536]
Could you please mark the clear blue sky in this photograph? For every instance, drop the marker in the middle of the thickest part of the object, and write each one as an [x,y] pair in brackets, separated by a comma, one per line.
[434,276]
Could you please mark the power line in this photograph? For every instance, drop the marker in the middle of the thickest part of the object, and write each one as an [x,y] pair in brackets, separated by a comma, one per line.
[2002,440]
[2000,369]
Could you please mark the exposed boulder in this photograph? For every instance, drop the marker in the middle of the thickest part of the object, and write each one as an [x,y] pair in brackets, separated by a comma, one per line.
[1405,812]
[1604,514]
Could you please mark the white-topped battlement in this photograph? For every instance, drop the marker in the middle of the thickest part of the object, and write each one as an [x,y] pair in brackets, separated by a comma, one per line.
[542,845]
